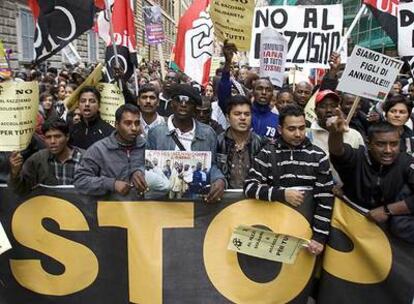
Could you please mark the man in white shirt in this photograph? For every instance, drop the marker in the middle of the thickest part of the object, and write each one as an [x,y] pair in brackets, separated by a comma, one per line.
[148,102]
[326,103]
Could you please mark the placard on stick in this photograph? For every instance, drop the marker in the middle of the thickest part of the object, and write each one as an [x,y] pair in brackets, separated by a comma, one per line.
[369,74]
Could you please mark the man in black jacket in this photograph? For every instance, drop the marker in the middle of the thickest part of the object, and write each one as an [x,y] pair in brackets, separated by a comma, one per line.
[237,146]
[91,128]
[374,179]
[278,171]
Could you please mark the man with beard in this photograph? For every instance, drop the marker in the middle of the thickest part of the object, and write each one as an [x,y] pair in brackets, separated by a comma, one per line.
[91,128]
[326,103]
[148,102]
[292,162]
[183,132]
[54,165]
[237,146]
[302,93]
[164,107]
[116,163]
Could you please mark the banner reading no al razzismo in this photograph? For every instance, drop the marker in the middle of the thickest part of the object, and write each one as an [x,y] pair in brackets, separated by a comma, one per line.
[73,249]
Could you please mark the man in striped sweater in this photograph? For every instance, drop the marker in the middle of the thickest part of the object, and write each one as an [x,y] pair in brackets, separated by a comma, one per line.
[292,162]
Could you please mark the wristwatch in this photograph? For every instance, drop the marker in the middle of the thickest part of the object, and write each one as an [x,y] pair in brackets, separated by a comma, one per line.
[387,211]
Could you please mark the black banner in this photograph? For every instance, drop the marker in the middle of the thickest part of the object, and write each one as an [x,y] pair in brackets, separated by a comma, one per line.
[364,263]
[69,248]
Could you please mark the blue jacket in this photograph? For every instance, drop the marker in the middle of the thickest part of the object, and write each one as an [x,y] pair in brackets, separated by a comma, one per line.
[159,138]
[264,121]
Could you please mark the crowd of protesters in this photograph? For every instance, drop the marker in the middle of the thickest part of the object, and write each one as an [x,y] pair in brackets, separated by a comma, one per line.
[258,135]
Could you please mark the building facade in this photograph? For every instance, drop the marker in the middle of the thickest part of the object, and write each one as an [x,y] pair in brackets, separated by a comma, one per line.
[171,10]
[17,33]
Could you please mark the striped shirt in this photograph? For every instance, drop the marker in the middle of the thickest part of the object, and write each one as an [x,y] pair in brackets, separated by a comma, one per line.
[306,167]
[65,171]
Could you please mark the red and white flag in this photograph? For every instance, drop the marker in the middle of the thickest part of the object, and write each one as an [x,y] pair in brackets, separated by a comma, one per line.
[195,42]
[122,12]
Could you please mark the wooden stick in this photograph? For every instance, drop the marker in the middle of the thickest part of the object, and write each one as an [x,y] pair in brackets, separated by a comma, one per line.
[353,109]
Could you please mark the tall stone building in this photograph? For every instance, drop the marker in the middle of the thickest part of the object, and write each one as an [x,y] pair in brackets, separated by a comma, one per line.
[17,33]
[171,10]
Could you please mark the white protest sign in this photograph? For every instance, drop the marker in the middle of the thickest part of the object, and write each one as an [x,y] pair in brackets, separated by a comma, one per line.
[71,54]
[369,74]
[406,29]
[273,50]
[312,32]
[4,241]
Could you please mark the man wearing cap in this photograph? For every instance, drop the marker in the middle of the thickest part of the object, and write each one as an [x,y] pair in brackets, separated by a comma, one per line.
[326,103]
[183,132]
[203,114]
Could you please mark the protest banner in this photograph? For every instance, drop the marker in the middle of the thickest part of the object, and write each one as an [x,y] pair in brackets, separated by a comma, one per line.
[310,114]
[93,79]
[273,50]
[19,105]
[312,32]
[71,54]
[406,29]
[369,74]
[231,20]
[364,262]
[153,24]
[215,64]
[69,248]
[111,99]
[266,244]
[5,69]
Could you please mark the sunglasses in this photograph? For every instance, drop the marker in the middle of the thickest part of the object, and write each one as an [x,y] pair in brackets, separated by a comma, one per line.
[183,99]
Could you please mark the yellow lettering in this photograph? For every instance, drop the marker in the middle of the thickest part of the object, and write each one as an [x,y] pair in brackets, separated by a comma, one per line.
[371,258]
[81,264]
[144,223]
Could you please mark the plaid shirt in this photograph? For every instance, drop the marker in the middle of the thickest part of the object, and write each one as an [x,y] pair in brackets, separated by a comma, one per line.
[65,171]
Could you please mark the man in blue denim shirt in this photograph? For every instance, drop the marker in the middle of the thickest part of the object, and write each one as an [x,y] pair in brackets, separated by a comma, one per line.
[191,134]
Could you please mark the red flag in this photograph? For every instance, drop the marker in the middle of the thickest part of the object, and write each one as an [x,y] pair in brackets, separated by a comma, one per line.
[194,45]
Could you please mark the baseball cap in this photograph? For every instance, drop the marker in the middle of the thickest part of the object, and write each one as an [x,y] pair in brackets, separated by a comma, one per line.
[324,94]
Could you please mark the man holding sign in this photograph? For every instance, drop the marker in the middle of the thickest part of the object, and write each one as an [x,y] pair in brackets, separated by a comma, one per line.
[292,170]
[54,165]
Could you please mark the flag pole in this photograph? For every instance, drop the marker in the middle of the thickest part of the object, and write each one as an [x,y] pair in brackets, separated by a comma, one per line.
[136,81]
[111,34]
[351,28]
[162,63]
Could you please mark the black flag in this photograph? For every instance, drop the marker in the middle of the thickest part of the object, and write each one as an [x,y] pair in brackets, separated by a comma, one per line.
[59,22]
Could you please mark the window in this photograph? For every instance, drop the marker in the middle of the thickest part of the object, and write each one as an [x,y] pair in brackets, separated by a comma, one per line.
[26,30]
[92,47]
